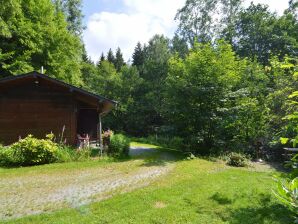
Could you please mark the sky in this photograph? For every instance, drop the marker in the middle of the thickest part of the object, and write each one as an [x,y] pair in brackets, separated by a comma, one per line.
[122,23]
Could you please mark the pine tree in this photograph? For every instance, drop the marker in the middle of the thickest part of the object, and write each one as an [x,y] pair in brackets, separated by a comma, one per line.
[85,56]
[102,57]
[111,57]
[138,55]
[119,61]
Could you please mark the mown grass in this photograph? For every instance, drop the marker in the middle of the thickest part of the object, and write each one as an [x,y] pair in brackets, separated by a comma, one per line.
[54,167]
[139,144]
[196,191]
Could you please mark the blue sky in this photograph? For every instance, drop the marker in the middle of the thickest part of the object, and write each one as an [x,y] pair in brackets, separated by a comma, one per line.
[95,6]
[122,23]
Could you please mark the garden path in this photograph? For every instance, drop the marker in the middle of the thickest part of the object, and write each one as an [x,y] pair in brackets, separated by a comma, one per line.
[38,192]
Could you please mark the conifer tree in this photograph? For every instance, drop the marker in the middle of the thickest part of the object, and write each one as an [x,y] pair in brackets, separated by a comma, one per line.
[110,56]
[119,61]
[138,55]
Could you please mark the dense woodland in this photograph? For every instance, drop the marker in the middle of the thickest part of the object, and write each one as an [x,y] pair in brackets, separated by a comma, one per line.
[219,84]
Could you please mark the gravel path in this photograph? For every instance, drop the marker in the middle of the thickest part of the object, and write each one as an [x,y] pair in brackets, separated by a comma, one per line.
[25,195]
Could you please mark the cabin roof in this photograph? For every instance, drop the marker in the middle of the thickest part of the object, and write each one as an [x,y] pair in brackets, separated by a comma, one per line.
[79,91]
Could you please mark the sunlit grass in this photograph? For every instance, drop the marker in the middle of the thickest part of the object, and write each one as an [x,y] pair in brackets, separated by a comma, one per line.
[196,191]
[138,144]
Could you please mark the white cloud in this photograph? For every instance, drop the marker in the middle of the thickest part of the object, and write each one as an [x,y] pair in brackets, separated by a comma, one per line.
[139,21]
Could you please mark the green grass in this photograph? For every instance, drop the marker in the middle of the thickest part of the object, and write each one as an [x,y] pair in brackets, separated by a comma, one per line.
[54,167]
[196,191]
[138,144]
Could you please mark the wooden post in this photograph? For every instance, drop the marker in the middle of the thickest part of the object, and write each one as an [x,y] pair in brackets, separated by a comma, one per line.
[100,135]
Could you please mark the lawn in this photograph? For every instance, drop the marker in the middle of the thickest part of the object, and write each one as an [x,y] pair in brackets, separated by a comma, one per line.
[193,191]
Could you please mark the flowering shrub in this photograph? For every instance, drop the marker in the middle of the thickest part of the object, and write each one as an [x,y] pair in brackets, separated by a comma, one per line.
[33,151]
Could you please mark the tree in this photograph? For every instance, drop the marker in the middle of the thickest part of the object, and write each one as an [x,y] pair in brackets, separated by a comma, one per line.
[260,34]
[196,89]
[198,19]
[154,73]
[126,117]
[287,188]
[35,35]
[179,45]
[102,57]
[110,56]
[293,6]
[85,56]
[138,55]
[284,84]
[73,14]
[245,117]
[119,61]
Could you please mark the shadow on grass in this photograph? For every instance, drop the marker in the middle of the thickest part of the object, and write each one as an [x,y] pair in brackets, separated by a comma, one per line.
[267,211]
[156,156]
[221,199]
[274,213]
[278,166]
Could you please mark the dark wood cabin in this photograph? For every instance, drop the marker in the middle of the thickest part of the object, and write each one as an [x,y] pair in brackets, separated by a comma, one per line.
[36,104]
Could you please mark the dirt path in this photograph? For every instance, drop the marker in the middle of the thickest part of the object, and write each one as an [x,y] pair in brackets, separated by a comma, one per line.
[33,194]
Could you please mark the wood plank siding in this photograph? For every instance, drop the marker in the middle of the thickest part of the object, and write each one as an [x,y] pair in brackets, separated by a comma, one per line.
[39,105]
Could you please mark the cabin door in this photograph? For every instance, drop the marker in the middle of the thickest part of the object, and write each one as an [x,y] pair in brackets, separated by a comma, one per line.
[87,122]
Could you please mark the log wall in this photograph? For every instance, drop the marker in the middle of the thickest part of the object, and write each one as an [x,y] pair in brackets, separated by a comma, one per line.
[36,109]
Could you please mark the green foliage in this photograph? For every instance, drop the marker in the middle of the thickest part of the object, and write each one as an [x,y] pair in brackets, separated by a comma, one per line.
[237,159]
[35,35]
[179,46]
[32,151]
[72,10]
[119,61]
[290,103]
[111,57]
[6,157]
[287,189]
[138,56]
[65,154]
[196,90]
[259,33]
[197,18]
[287,193]
[119,145]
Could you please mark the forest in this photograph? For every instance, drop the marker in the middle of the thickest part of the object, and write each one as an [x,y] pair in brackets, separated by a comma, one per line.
[224,82]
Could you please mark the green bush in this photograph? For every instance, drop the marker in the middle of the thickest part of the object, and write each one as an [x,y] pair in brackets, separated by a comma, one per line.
[287,193]
[6,156]
[119,145]
[65,153]
[237,159]
[287,188]
[32,151]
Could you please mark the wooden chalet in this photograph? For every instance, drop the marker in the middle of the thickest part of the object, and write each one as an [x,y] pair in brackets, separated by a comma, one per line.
[36,104]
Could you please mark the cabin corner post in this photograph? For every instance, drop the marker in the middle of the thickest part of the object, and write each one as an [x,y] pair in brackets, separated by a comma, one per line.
[100,134]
